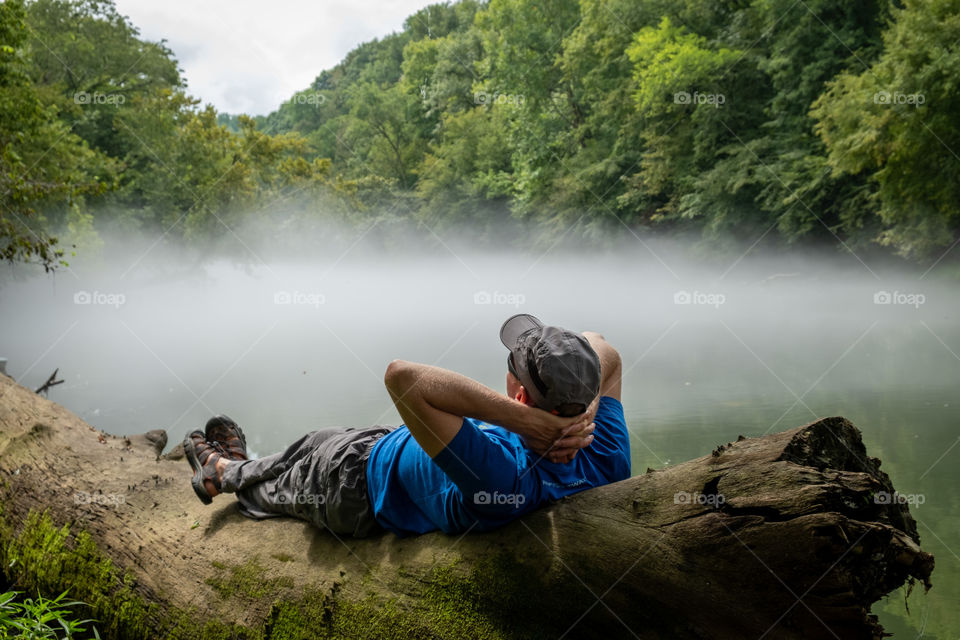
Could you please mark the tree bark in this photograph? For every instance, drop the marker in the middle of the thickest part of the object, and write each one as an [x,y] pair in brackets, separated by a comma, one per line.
[789,535]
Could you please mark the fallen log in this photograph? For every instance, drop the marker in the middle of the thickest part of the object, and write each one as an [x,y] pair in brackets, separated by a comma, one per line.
[782,536]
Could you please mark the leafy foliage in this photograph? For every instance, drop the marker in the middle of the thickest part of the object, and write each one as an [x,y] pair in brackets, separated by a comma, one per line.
[734,120]
[894,123]
[41,159]
[40,618]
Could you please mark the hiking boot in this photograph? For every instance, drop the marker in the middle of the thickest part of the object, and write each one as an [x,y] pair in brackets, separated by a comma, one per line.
[203,458]
[226,437]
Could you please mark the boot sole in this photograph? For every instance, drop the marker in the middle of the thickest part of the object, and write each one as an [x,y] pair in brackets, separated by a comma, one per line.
[194,460]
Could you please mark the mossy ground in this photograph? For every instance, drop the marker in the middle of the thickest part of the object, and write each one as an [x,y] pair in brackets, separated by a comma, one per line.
[495,600]
[246,581]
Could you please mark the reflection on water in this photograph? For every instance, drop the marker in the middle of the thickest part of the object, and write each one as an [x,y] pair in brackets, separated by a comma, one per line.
[709,354]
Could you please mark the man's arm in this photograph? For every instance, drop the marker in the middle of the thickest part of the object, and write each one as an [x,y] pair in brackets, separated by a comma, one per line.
[433,402]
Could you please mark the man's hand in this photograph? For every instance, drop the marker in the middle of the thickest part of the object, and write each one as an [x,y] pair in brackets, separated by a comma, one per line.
[566,448]
[559,439]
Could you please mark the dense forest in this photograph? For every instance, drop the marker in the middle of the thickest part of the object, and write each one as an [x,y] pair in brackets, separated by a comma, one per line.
[813,121]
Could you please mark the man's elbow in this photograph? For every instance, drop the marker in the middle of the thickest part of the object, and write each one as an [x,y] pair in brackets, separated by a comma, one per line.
[609,357]
[395,373]
[613,360]
[603,348]
[611,371]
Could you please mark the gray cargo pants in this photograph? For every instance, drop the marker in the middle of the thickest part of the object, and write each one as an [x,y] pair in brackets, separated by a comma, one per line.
[320,478]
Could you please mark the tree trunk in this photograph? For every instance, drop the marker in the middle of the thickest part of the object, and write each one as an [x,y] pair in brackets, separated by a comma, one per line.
[789,535]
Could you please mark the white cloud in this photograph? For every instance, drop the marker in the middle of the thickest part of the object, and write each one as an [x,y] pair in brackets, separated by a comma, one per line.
[246,57]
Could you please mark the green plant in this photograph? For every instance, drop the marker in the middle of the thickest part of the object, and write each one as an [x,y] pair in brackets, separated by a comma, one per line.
[40,618]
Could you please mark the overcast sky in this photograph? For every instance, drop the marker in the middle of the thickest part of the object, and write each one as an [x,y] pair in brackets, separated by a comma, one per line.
[248,57]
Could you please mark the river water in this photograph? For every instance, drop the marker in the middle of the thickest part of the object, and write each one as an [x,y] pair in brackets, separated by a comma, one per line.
[712,349]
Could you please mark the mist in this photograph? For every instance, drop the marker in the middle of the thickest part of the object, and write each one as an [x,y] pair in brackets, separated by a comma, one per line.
[157,339]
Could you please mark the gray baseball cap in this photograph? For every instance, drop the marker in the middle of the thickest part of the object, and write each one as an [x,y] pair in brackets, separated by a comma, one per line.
[558,368]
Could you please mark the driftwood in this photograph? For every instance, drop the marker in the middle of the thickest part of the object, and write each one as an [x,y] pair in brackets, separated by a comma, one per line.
[51,382]
[783,536]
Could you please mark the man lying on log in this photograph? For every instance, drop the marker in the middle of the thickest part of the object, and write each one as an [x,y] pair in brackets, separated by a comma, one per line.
[466,457]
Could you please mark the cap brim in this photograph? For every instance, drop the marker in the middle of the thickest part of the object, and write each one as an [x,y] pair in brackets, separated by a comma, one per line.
[515,326]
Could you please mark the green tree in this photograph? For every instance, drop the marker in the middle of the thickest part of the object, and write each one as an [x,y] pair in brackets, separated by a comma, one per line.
[386,132]
[467,176]
[43,165]
[523,41]
[684,104]
[784,168]
[603,172]
[95,68]
[895,124]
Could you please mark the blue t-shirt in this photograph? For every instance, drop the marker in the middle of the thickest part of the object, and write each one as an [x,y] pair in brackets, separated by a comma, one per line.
[485,477]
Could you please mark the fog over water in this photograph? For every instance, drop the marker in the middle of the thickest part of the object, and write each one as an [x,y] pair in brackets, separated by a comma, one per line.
[712,348]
